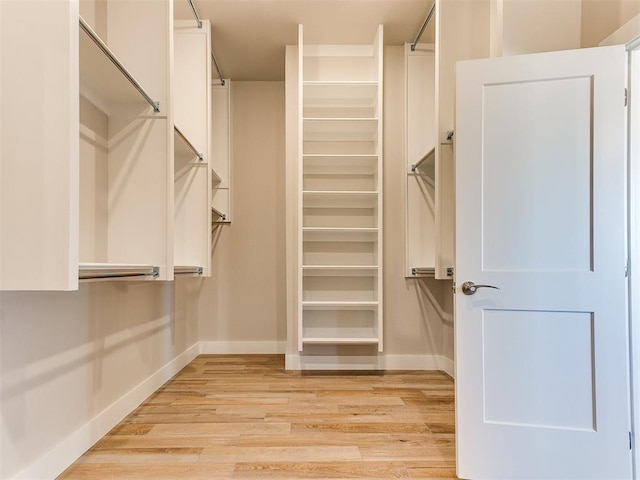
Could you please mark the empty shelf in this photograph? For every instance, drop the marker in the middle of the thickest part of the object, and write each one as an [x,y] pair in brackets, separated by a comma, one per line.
[330,234]
[340,129]
[339,305]
[340,94]
[339,199]
[340,340]
[339,270]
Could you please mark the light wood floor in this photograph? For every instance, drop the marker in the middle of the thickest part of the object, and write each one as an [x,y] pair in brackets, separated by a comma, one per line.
[244,416]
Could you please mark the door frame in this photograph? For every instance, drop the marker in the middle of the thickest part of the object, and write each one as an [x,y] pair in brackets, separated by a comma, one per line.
[629,35]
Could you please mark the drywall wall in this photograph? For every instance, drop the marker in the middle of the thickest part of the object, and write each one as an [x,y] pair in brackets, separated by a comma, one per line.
[520,27]
[72,364]
[600,18]
[242,305]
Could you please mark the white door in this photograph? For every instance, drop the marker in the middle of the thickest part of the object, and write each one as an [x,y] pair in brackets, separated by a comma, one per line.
[542,381]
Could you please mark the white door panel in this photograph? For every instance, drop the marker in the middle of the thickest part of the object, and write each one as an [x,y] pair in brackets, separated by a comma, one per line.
[542,363]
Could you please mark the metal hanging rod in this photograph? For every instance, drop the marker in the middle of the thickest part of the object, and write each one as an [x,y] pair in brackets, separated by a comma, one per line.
[195,13]
[215,63]
[189,144]
[416,165]
[188,270]
[105,49]
[424,25]
[423,271]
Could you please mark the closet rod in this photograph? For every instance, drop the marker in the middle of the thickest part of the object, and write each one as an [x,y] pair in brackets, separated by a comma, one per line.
[195,13]
[188,270]
[105,49]
[116,275]
[424,25]
[416,165]
[423,271]
[189,144]
[217,68]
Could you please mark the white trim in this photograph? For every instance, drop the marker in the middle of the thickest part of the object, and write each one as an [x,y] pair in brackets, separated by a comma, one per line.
[71,448]
[239,348]
[369,362]
[628,34]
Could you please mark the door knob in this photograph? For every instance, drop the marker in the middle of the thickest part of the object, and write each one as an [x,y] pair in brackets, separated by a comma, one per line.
[469,288]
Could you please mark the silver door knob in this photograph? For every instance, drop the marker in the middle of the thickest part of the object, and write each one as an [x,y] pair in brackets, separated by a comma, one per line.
[469,288]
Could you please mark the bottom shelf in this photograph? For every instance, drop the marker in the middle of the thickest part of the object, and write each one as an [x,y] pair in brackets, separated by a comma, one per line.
[340,323]
[95,271]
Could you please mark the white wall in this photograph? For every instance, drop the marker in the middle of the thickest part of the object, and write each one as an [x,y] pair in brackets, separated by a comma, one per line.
[68,357]
[242,305]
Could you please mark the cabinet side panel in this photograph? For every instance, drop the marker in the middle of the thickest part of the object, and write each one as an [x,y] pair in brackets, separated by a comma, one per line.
[38,145]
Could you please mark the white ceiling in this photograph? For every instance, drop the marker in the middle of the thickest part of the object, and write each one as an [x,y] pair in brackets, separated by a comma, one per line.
[248,36]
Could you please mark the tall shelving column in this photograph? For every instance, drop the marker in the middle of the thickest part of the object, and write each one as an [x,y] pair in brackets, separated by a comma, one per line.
[340,199]
[192,139]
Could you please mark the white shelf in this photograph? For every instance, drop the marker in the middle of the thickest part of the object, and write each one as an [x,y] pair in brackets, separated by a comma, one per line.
[345,234]
[339,199]
[341,340]
[340,305]
[115,270]
[339,270]
[336,94]
[340,129]
[104,78]
[338,165]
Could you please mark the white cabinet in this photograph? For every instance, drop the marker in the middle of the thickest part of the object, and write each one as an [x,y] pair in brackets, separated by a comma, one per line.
[462,33]
[101,177]
[340,194]
[192,138]
[125,140]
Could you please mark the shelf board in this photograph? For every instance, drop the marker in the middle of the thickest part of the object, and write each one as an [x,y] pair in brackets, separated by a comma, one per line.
[104,79]
[340,129]
[340,340]
[88,271]
[331,234]
[340,164]
[340,270]
[309,305]
[339,199]
[338,94]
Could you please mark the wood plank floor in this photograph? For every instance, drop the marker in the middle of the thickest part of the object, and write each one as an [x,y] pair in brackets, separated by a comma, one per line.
[244,416]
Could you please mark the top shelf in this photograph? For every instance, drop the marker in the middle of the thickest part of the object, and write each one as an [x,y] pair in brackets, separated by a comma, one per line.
[104,78]
[335,94]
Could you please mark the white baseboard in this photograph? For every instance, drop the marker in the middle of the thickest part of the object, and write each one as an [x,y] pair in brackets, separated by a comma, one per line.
[373,362]
[71,448]
[239,348]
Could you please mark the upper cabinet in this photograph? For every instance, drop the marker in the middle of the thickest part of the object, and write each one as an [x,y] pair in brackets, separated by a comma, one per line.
[126,140]
[462,33]
[105,143]
[39,191]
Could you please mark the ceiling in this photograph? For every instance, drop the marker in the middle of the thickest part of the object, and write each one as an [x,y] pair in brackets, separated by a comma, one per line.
[249,36]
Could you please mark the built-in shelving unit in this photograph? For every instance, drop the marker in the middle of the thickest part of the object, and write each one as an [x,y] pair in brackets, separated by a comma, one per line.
[193,172]
[340,194]
[125,138]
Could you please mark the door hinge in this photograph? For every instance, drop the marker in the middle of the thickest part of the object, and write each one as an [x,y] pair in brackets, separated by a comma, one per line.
[626,97]
[626,268]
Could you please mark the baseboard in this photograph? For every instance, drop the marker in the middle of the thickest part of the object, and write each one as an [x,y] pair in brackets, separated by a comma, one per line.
[270,347]
[71,448]
[372,362]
